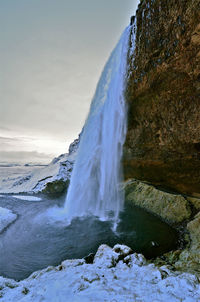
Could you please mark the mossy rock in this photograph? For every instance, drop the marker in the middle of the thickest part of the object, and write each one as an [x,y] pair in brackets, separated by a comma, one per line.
[56,187]
[177,210]
[171,207]
[194,229]
[195,202]
[189,260]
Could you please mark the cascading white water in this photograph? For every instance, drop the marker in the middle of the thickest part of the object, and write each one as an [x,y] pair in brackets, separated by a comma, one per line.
[94,187]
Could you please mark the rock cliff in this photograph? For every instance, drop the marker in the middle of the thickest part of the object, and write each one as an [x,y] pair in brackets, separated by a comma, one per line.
[163,94]
[162,147]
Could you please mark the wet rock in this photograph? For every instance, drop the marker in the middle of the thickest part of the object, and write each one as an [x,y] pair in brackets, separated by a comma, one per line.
[188,259]
[171,207]
[194,229]
[90,258]
[195,202]
[163,97]
[195,39]
[55,187]
[132,20]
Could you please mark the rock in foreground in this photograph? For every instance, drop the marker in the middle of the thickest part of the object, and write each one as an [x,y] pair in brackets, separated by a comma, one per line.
[115,275]
[179,210]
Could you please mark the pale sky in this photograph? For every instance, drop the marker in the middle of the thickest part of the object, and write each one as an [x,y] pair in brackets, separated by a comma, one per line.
[52,53]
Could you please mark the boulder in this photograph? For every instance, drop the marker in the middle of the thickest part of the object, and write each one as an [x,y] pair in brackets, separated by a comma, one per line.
[189,258]
[173,208]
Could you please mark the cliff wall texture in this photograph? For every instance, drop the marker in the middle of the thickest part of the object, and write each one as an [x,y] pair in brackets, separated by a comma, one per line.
[163,94]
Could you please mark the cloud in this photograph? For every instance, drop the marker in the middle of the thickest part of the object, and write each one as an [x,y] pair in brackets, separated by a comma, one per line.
[24,157]
[51,57]
[3,128]
[4,139]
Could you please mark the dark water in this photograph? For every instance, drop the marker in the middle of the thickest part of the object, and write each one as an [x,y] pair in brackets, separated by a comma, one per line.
[32,243]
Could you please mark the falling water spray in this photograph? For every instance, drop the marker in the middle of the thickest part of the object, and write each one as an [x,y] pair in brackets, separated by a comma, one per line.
[95,182]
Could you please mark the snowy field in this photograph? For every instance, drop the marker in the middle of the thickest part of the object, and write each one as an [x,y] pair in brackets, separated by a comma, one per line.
[33,179]
[10,173]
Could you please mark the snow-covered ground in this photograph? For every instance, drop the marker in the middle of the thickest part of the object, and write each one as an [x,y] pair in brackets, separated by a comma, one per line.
[36,180]
[6,218]
[30,179]
[27,198]
[116,275]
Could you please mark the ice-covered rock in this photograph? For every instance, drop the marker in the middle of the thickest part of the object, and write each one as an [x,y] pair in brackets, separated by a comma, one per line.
[6,218]
[74,280]
[105,257]
[135,259]
[122,250]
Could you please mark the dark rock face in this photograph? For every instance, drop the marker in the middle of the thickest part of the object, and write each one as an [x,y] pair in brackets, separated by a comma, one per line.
[73,147]
[163,93]
[56,187]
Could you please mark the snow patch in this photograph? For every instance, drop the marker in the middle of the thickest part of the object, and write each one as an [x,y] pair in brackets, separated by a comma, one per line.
[27,198]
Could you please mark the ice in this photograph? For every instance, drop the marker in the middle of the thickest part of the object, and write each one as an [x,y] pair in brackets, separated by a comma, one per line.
[27,198]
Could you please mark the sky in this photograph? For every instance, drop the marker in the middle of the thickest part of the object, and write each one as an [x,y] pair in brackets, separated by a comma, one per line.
[52,53]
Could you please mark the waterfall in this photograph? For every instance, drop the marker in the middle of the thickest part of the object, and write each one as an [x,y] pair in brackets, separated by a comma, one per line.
[95,182]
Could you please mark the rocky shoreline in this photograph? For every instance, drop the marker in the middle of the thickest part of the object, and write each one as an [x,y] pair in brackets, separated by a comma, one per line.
[181,212]
[116,274]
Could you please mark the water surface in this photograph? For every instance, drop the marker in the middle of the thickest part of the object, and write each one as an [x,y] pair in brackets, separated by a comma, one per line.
[33,242]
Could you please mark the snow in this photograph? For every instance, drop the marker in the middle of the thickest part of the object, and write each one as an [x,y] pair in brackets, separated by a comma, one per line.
[59,168]
[116,275]
[6,218]
[27,198]
[34,180]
